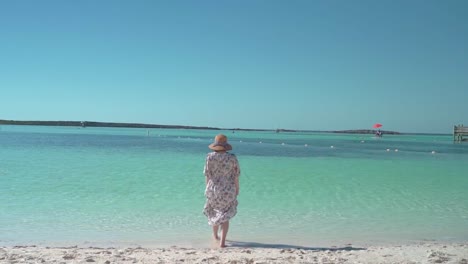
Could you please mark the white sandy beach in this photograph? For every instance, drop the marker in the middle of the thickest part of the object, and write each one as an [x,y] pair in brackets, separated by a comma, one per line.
[427,252]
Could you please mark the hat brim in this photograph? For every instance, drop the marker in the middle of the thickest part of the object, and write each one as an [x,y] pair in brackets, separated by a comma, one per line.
[215,147]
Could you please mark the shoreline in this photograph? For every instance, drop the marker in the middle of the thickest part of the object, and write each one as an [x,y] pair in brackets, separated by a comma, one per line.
[423,252]
[84,124]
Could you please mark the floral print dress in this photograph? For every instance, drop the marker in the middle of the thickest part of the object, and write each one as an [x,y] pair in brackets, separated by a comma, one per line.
[222,170]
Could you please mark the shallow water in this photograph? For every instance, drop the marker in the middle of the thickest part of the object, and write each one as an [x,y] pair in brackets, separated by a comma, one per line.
[126,186]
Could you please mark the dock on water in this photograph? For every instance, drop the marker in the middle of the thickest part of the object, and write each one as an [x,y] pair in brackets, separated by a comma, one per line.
[459,132]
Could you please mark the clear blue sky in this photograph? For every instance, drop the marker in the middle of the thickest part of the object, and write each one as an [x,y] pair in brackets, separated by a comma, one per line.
[318,65]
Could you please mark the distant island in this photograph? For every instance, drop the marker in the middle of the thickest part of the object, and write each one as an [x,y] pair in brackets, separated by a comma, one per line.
[112,124]
[139,125]
[95,124]
[349,131]
[366,131]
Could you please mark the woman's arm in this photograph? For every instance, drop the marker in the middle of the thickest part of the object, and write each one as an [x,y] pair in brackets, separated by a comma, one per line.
[206,171]
[237,185]
[237,174]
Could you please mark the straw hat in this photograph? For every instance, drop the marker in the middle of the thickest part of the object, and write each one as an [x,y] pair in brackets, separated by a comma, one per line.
[220,143]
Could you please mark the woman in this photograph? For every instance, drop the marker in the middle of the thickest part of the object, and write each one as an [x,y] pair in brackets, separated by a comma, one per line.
[222,187]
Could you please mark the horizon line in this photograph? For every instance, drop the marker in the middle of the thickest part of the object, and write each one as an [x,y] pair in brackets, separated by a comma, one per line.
[146,125]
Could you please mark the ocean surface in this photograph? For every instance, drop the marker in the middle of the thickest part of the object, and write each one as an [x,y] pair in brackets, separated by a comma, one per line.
[128,186]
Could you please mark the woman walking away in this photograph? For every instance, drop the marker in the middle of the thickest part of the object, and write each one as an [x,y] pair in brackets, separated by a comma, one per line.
[222,187]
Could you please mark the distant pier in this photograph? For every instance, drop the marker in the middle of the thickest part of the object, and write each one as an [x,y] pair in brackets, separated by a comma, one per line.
[459,132]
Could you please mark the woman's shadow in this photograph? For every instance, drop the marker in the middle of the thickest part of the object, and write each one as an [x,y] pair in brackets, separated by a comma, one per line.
[241,244]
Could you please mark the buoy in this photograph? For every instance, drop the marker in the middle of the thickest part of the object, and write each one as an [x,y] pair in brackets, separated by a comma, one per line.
[260,142]
[388,149]
[396,150]
[282,144]
[331,146]
[433,152]
[305,145]
[362,141]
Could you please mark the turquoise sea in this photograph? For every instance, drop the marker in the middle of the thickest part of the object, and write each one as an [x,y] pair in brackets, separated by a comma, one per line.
[127,186]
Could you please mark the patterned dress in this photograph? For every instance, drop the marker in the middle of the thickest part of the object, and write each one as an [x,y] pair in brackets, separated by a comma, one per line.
[222,170]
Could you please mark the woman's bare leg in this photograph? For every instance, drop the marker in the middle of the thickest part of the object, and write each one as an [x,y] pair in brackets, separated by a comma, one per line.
[215,232]
[224,231]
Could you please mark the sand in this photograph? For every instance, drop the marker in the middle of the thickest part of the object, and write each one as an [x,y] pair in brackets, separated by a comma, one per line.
[426,252]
